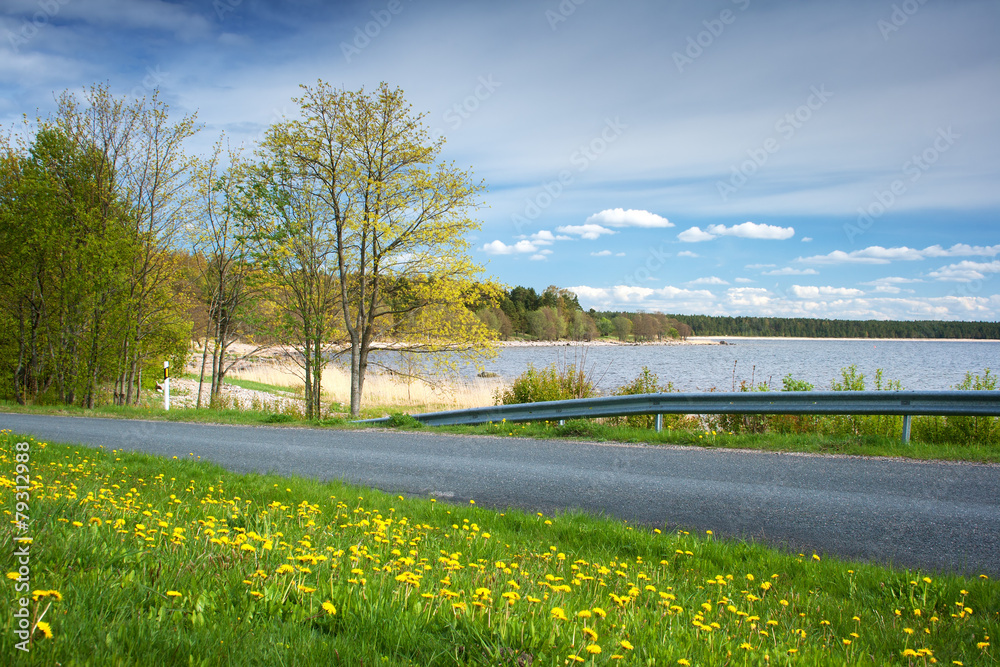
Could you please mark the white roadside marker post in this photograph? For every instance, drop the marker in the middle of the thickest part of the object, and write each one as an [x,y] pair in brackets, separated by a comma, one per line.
[166,385]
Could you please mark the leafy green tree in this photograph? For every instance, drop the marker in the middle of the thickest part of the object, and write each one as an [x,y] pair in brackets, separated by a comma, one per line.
[623,327]
[394,217]
[605,327]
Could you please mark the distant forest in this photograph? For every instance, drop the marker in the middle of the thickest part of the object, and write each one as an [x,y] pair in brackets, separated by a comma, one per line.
[556,314]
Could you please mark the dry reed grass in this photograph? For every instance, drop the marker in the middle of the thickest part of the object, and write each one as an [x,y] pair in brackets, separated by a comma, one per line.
[381,390]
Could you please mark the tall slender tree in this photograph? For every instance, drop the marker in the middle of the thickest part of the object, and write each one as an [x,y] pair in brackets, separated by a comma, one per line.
[397,219]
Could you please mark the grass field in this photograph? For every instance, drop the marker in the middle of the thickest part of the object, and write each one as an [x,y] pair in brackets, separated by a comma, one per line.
[142,560]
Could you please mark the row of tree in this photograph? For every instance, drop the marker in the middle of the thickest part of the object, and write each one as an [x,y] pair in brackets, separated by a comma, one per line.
[708,325]
[556,314]
[341,229]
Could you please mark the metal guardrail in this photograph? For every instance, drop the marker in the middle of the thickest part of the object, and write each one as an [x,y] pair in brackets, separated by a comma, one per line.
[905,403]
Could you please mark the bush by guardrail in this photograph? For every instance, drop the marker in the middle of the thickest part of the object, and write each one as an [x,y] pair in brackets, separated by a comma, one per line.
[904,403]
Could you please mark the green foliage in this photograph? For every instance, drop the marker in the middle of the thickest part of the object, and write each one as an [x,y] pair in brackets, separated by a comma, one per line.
[980,430]
[646,382]
[582,428]
[403,420]
[788,383]
[547,384]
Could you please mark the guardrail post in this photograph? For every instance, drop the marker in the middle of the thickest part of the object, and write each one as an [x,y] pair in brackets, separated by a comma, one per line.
[906,428]
[659,423]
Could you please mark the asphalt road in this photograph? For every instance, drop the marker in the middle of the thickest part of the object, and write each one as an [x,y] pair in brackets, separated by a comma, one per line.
[934,516]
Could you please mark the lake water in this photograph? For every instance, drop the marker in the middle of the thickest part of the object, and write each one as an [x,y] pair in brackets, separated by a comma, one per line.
[918,364]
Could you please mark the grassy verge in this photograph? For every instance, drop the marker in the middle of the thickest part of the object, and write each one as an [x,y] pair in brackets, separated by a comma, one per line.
[814,443]
[137,559]
[253,384]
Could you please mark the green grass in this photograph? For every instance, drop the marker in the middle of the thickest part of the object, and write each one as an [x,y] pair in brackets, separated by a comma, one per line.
[161,561]
[813,443]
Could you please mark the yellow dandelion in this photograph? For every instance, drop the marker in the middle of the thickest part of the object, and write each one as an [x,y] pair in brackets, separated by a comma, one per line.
[559,612]
[45,628]
[13,575]
[329,608]
[174,594]
[590,634]
[593,649]
[627,645]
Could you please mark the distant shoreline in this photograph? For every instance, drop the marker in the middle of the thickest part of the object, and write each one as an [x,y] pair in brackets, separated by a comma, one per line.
[719,340]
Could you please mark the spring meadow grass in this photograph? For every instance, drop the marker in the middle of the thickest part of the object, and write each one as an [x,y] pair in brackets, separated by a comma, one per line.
[137,559]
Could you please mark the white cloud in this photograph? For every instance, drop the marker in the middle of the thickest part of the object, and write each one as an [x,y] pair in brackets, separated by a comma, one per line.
[965,271]
[602,253]
[617,217]
[814,292]
[708,280]
[878,255]
[806,239]
[687,253]
[667,298]
[746,230]
[619,254]
[743,281]
[962,250]
[742,297]
[888,285]
[500,248]
[585,231]
[752,230]
[694,235]
[542,237]
[829,302]
[790,271]
[759,266]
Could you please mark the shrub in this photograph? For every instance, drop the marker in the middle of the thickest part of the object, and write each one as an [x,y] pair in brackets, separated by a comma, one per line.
[884,425]
[547,384]
[645,383]
[402,420]
[582,428]
[963,430]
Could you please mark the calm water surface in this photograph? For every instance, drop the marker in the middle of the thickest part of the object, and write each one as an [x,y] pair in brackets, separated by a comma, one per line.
[918,364]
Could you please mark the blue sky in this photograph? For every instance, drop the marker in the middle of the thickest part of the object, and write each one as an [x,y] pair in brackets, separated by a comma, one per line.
[740,157]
